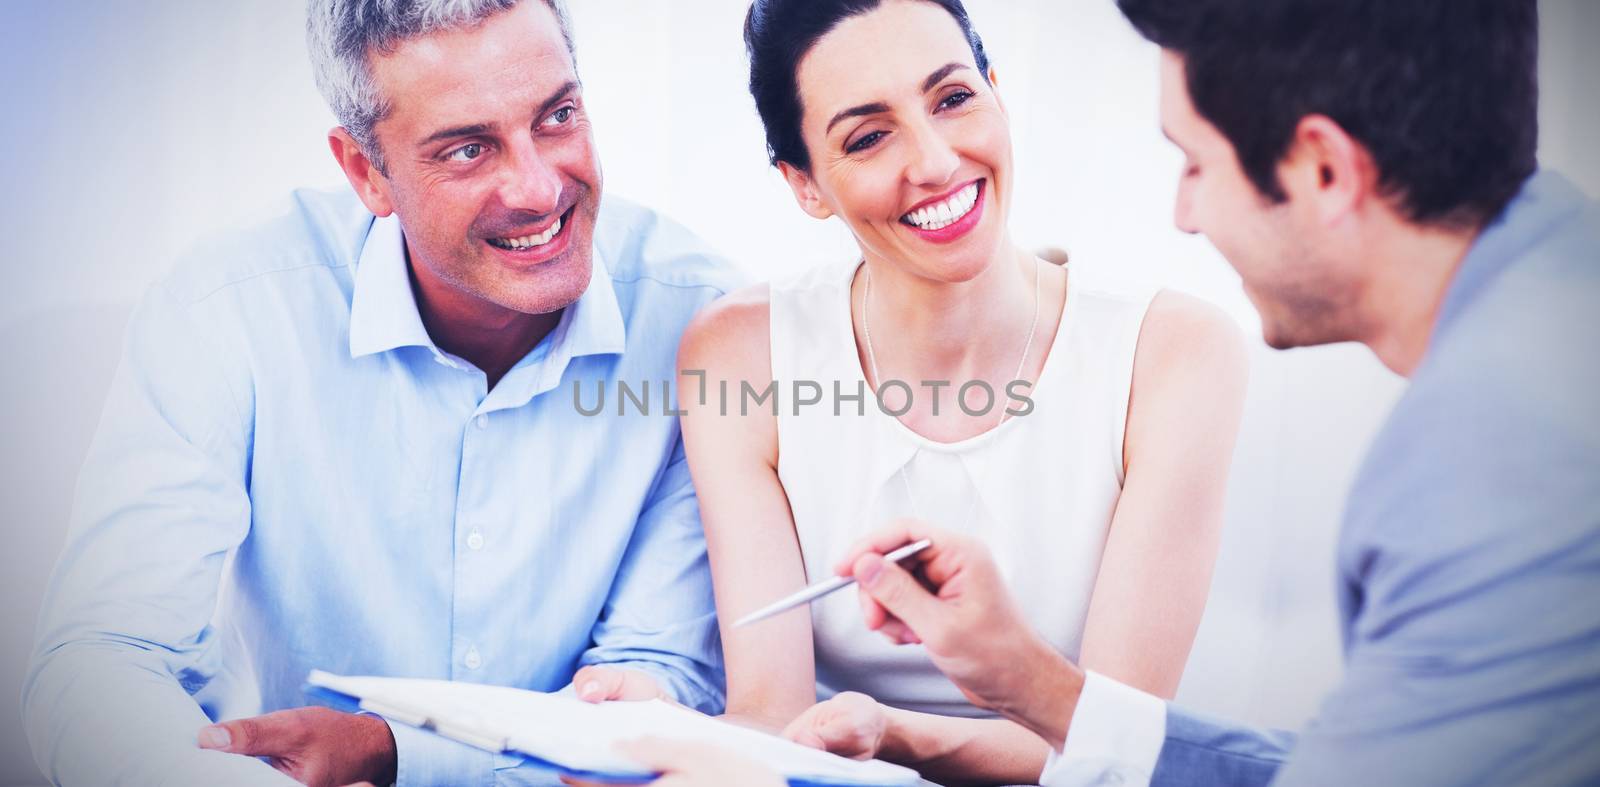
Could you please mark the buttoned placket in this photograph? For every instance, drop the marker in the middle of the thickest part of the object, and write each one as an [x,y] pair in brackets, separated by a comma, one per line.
[482,436]
[471,524]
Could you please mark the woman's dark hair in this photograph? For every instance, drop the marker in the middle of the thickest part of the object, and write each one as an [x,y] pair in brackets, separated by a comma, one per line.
[1444,94]
[779,33]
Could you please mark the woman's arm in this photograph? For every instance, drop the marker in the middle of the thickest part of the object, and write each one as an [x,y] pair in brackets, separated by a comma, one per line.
[954,751]
[750,535]
[1189,379]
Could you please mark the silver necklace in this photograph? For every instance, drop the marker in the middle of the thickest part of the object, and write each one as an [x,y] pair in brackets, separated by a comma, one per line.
[877,380]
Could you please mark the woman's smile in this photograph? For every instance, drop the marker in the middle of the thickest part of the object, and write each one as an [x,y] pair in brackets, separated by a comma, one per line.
[949,217]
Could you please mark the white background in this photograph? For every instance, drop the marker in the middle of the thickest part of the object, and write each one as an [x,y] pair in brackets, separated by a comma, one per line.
[132,128]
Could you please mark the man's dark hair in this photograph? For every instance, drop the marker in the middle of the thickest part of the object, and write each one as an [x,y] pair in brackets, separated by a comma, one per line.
[779,33]
[1443,93]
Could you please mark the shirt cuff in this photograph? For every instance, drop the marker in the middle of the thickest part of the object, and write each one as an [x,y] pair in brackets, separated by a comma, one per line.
[423,758]
[1114,738]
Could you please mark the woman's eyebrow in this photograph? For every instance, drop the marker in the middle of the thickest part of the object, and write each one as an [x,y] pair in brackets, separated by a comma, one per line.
[864,109]
[876,107]
[938,76]
[872,109]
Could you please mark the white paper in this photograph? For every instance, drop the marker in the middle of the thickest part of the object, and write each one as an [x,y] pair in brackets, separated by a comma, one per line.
[582,736]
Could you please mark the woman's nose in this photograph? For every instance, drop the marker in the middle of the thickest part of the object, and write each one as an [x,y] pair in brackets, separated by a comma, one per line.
[934,161]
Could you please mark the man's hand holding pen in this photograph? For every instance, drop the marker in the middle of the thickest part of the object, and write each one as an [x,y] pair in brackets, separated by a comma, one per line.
[951,598]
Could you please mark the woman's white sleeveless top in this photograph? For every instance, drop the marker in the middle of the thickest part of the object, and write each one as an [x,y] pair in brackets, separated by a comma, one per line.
[1039,491]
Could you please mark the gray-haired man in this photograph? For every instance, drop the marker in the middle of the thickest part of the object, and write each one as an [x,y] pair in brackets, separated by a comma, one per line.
[352,422]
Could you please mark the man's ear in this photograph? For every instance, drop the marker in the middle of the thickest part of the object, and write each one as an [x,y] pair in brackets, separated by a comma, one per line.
[1327,168]
[370,184]
[805,191]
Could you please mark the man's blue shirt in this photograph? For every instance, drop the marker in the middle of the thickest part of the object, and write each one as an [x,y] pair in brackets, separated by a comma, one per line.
[1469,558]
[282,429]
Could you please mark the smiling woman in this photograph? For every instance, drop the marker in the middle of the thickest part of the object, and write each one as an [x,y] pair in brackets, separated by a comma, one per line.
[1103,503]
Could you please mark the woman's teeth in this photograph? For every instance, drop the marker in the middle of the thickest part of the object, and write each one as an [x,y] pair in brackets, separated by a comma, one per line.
[529,241]
[943,214]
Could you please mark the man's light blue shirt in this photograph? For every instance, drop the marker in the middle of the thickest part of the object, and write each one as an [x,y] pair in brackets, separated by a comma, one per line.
[283,430]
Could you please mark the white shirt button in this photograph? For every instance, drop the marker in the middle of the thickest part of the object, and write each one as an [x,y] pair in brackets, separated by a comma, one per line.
[482,421]
[475,540]
[472,659]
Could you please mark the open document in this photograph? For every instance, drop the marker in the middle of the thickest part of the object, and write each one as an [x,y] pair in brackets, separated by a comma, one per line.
[579,738]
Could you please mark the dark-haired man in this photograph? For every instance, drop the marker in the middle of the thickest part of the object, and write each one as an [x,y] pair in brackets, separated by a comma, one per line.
[1369,168]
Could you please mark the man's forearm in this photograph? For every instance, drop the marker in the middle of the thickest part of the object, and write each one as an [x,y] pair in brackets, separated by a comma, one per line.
[1044,695]
[96,714]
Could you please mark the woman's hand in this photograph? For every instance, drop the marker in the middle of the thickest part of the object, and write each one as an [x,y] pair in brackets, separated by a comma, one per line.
[605,684]
[850,725]
[683,764]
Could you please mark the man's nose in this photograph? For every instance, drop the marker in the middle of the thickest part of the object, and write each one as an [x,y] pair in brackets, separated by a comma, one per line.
[530,181]
[1183,211]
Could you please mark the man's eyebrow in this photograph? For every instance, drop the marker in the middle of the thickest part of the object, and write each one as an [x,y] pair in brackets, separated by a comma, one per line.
[938,76]
[453,132]
[475,129]
[557,96]
[864,109]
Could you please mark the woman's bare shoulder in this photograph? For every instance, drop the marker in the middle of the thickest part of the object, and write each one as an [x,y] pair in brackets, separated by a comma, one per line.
[1186,336]
[731,335]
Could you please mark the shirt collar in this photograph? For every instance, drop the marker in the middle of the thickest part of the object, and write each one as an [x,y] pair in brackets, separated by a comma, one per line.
[593,324]
[383,309]
[384,315]
[1545,200]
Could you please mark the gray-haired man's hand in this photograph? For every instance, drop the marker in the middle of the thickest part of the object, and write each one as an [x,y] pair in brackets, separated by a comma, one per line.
[315,746]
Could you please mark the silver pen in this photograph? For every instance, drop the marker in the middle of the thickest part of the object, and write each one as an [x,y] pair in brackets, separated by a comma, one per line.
[823,588]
